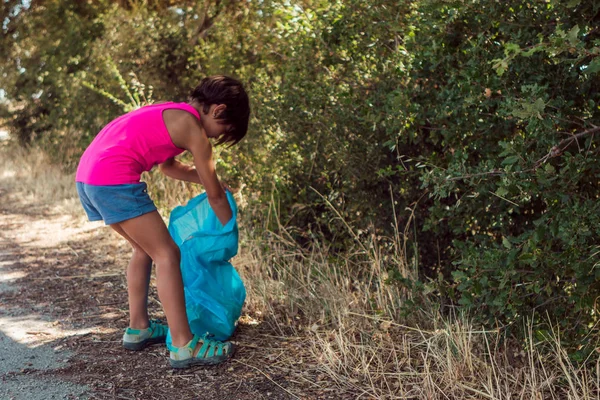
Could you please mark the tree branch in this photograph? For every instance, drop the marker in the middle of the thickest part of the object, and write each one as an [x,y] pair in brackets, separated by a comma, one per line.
[558,149]
[555,151]
[469,176]
[206,21]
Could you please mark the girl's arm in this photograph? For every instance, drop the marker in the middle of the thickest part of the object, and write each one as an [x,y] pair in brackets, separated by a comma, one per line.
[178,170]
[187,133]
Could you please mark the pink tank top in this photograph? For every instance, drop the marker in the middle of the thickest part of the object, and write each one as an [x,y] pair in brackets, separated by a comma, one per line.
[130,145]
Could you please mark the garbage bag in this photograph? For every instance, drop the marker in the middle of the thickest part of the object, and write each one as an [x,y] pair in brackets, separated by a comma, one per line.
[214,291]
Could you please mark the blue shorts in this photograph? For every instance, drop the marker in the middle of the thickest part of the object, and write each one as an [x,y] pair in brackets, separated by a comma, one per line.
[114,203]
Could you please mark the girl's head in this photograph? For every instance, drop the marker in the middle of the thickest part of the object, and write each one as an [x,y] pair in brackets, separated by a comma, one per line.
[225,108]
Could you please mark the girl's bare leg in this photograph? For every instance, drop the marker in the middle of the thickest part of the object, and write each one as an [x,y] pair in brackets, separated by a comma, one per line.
[150,234]
[138,280]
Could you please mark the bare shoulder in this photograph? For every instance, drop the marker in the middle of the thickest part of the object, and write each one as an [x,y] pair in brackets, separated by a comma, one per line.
[183,127]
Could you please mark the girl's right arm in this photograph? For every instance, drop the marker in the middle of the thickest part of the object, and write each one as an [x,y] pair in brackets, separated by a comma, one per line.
[178,170]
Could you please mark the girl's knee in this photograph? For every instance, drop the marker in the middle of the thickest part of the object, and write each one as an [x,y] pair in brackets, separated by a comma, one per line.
[138,252]
[170,255]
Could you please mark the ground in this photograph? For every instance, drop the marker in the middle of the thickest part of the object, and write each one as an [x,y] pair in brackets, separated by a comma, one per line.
[63,308]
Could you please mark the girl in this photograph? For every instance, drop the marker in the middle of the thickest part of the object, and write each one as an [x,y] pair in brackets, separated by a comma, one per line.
[108,183]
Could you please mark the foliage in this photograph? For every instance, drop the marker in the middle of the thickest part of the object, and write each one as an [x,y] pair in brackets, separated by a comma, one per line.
[473,124]
[513,174]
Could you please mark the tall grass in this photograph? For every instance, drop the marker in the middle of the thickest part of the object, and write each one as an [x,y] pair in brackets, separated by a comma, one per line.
[29,173]
[360,340]
[348,322]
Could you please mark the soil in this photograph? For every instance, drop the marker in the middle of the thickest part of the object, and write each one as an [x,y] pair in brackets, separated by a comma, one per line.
[63,309]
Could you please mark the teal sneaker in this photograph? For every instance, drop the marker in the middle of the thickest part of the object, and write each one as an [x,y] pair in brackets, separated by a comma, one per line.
[211,352]
[139,339]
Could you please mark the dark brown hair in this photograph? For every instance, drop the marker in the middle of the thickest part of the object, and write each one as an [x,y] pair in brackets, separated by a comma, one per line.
[220,89]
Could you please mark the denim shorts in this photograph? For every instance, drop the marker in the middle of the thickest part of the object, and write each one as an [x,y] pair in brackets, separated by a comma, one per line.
[114,203]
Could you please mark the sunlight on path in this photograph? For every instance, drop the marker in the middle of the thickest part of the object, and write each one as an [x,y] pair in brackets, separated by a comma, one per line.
[29,340]
[34,330]
[31,329]
[24,349]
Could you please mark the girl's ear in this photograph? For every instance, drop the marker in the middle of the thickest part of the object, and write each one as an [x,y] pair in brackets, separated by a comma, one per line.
[218,110]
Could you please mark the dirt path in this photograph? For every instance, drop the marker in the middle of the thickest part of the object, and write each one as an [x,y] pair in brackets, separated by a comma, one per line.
[63,309]
[28,334]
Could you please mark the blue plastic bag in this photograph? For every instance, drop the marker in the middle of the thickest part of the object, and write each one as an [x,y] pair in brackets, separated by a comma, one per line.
[214,291]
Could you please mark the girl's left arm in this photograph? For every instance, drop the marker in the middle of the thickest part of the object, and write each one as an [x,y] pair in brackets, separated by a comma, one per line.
[178,170]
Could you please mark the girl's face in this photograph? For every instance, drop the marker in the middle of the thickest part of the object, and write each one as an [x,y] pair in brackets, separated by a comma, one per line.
[214,127]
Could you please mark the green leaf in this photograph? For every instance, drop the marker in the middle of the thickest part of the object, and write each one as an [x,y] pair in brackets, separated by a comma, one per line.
[500,66]
[594,66]
[549,169]
[532,51]
[538,108]
[506,243]
[459,275]
[572,35]
[465,301]
[510,160]
[527,258]
[511,48]
[502,191]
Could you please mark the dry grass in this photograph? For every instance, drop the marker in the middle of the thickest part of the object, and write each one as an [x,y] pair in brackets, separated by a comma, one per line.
[30,173]
[346,326]
[358,343]
[351,323]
